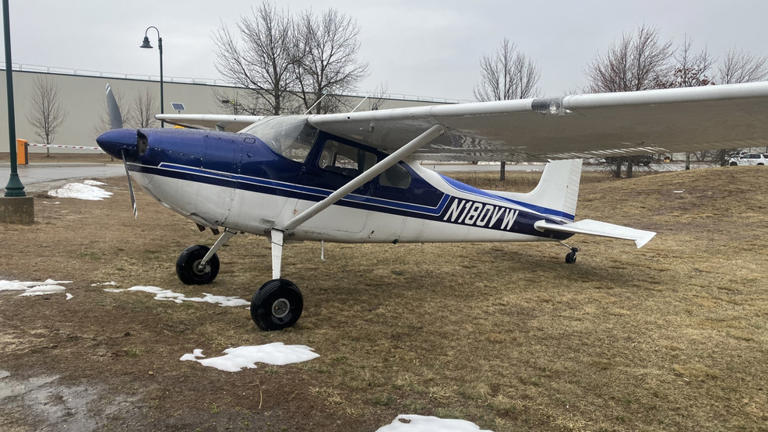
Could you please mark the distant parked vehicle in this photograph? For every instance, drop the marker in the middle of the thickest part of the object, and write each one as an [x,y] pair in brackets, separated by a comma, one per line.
[746,159]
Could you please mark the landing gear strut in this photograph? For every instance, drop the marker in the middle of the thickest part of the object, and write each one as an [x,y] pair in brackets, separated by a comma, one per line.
[278,303]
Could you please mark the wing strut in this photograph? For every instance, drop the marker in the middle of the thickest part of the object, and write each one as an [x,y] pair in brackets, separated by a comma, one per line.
[277,233]
[401,153]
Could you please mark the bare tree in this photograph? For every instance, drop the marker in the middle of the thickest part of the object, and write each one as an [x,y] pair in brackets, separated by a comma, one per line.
[47,113]
[739,67]
[144,110]
[378,97]
[507,74]
[639,61]
[688,68]
[236,102]
[326,63]
[634,63]
[263,60]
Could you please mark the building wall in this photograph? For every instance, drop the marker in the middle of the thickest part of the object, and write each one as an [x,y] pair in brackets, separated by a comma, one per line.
[83,101]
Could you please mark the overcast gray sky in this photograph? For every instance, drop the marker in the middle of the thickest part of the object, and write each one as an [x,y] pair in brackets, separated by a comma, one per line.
[426,48]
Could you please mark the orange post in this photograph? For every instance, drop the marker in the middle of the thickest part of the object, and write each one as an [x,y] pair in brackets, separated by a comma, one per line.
[22,152]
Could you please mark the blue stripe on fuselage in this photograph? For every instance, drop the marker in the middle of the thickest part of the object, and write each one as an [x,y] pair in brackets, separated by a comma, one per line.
[450,209]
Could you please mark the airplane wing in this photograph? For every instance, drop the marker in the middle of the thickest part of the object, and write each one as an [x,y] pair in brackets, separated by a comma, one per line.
[225,122]
[579,126]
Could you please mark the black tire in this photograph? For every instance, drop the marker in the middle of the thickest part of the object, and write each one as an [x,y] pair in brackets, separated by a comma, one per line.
[277,305]
[733,164]
[187,266]
[570,257]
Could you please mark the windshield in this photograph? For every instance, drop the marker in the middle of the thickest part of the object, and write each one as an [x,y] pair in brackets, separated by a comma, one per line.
[289,136]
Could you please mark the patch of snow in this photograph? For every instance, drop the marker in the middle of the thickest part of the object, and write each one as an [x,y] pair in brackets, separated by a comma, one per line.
[69,296]
[80,191]
[43,290]
[50,286]
[111,283]
[220,300]
[679,191]
[168,295]
[4,374]
[235,359]
[417,423]
[196,353]
[94,183]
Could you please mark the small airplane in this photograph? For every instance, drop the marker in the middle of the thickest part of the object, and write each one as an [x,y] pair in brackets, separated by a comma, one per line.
[355,177]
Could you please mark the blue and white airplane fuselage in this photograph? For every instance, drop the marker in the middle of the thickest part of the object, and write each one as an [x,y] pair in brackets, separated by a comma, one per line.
[237,181]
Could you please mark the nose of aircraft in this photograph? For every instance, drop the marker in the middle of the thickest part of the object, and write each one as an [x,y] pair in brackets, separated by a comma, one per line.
[119,142]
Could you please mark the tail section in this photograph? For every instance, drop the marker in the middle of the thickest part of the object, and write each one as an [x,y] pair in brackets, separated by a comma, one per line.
[558,188]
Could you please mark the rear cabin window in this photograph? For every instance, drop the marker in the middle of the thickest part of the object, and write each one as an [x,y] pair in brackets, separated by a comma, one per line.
[397,176]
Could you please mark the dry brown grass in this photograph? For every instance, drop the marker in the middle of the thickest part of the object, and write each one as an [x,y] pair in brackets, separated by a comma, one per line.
[669,337]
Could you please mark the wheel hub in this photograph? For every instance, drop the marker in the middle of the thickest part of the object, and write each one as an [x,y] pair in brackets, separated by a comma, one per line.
[201,269]
[280,308]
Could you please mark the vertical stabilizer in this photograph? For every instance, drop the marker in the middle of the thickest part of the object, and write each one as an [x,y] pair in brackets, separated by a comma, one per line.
[558,188]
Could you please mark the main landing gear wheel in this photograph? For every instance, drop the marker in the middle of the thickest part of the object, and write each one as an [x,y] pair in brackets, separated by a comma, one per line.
[188,266]
[570,257]
[277,305]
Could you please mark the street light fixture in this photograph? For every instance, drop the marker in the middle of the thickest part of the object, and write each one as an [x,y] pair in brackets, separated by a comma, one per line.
[145,44]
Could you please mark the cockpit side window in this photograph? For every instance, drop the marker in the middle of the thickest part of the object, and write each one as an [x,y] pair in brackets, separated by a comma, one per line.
[345,159]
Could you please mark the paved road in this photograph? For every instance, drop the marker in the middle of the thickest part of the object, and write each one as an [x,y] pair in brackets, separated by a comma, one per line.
[39,177]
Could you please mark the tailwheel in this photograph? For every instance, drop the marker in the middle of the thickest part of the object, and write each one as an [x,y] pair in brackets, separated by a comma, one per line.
[570,257]
[190,271]
[277,305]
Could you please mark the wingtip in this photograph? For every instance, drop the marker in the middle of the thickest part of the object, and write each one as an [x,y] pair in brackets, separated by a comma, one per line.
[640,242]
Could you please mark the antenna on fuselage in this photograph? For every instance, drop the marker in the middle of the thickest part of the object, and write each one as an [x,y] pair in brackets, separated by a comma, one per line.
[314,104]
[358,105]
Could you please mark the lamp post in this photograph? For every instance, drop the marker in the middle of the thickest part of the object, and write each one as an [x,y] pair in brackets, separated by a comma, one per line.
[14,188]
[146,44]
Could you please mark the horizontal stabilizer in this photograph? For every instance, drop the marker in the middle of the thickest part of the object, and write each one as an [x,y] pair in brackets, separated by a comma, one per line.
[604,229]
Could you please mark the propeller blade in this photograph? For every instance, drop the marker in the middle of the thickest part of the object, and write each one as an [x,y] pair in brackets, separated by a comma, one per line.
[130,189]
[115,118]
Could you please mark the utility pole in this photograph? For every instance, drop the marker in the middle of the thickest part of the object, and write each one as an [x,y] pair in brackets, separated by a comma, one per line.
[15,206]
[14,187]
